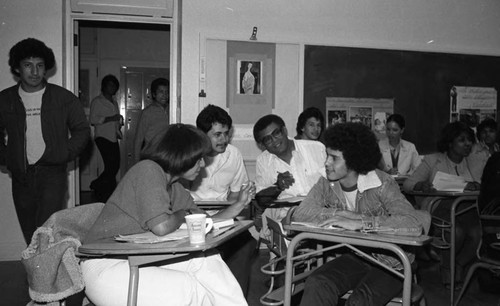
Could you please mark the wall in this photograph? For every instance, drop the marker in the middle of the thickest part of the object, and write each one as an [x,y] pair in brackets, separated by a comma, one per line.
[19,20]
[454,26]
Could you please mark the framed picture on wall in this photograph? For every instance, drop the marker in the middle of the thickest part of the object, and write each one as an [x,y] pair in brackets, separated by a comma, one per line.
[250,80]
[371,112]
[249,76]
[336,116]
[361,115]
[472,104]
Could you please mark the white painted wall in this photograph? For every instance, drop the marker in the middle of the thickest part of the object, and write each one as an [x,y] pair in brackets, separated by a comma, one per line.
[454,26]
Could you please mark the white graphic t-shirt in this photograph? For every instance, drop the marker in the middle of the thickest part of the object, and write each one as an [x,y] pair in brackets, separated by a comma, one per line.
[35,145]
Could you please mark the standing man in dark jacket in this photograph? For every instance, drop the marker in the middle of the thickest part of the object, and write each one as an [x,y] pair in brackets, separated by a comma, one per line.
[46,128]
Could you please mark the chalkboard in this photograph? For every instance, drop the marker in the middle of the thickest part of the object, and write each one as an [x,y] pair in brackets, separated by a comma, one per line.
[419,83]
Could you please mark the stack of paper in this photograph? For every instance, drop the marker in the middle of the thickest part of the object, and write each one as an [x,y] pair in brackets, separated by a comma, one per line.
[218,223]
[448,182]
[149,237]
[180,233]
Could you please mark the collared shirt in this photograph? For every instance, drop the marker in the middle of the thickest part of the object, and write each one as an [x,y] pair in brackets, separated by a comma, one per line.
[306,166]
[100,108]
[408,158]
[222,174]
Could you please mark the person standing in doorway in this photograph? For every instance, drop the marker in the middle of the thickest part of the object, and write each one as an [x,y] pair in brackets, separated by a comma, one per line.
[107,121]
[154,118]
[46,128]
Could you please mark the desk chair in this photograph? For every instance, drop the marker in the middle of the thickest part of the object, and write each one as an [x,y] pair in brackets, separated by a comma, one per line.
[51,258]
[449,226]
[278,246]
[310,259]
[490,224]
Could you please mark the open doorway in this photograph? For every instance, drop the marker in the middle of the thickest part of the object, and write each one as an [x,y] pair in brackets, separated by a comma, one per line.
[136,53]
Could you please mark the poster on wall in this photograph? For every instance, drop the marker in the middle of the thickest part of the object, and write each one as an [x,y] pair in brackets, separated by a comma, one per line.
[249,77]
[371,112]
[250,72]
[472,104]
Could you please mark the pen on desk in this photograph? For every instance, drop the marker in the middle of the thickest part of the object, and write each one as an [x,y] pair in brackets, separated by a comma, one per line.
[222,231]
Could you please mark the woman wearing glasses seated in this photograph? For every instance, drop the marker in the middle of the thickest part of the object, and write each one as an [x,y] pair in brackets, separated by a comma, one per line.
[150,198]
[355,195]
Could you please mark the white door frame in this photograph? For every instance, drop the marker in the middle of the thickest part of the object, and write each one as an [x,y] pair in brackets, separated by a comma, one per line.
[70,69]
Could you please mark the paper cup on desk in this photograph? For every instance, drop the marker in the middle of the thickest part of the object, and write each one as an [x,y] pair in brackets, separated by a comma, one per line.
[198,226]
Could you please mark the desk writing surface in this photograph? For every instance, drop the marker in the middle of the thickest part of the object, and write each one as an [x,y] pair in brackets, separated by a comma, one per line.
[109,246]
[212,202]
[438,193]
[397,239]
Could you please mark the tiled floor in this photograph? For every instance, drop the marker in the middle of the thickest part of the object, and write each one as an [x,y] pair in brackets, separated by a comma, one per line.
[14,287]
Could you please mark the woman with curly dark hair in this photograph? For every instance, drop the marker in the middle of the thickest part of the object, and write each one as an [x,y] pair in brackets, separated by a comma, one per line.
[310,124]
[454,148]
[355,195]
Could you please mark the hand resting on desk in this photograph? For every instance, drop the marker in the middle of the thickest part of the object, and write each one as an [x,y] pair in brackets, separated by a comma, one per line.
[339,221]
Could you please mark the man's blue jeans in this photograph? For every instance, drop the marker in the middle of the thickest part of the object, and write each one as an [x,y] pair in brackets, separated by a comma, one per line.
[371,285]
[39,196]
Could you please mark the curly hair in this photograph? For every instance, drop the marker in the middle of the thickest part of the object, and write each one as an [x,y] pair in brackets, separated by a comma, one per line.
[27,48]
[264,122]
[450,132]
[357,143]
[211,115]
[178,148]
[311,112]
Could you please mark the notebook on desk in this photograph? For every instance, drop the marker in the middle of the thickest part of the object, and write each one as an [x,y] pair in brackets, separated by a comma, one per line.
[180,233]
[448,182]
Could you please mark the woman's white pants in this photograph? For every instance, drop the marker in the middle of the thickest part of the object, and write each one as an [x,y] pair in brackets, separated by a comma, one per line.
[204,280]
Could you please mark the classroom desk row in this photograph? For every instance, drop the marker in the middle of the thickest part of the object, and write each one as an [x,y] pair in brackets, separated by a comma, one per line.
[141,254]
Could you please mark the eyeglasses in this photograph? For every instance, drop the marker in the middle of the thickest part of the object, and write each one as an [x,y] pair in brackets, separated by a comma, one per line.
[276,134]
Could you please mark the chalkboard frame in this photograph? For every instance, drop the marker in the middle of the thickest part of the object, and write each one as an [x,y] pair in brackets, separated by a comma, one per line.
[419,82]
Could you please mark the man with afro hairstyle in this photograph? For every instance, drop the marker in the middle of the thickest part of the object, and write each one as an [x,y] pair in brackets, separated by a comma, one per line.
[46,128]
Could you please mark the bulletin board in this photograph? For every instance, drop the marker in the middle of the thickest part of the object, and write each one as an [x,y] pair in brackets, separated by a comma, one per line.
[472,104]
[246,107]
[419,83]
[370,112]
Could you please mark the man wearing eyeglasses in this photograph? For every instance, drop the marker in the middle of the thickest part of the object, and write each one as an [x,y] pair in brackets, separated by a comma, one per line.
[286,168]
